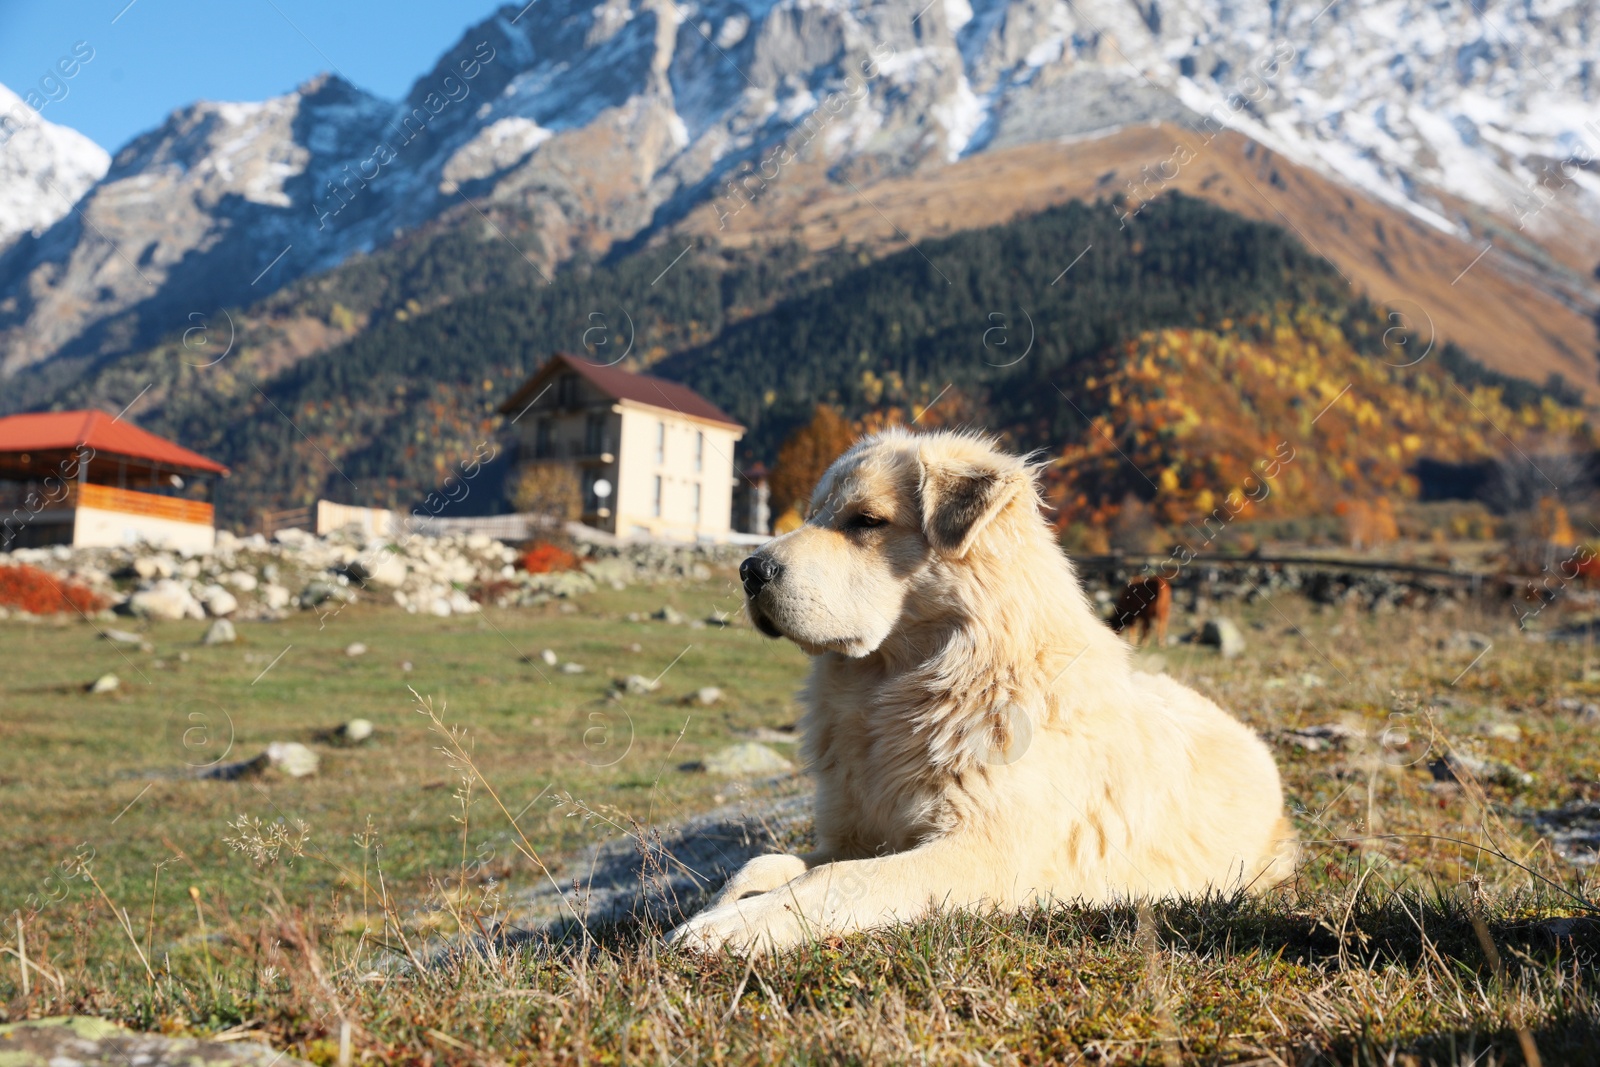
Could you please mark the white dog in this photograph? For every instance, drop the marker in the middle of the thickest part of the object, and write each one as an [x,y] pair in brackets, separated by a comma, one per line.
[977,734]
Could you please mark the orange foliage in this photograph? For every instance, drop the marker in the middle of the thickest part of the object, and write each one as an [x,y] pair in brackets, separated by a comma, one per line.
[25,588]
[805,456]
[542,557]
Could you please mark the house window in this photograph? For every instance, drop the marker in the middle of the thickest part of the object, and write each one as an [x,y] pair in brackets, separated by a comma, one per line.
[697,503]
[567,391]
[657,511]
[541,439]
[661,442]
[594,434]
[699,451]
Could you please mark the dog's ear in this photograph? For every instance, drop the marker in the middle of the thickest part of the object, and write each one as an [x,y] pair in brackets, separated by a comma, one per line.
[961,497]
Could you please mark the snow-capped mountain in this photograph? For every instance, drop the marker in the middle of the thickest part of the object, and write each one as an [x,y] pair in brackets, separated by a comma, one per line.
[609,121]
[44,168]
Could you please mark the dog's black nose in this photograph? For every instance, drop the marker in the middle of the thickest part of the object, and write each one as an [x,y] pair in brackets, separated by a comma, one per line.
[757,571]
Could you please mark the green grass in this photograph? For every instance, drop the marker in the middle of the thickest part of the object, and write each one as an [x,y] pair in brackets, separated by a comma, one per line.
[1370,956]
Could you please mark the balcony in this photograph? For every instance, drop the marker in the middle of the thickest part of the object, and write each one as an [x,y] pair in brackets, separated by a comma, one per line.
[129,502]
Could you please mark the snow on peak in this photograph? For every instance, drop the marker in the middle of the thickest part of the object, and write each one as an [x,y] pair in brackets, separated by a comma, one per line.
[44,168]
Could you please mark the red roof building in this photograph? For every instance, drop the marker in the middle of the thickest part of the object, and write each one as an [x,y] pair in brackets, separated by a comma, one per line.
[86,478]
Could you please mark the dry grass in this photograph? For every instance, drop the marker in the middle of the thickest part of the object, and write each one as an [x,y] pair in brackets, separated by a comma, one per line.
[1428,924]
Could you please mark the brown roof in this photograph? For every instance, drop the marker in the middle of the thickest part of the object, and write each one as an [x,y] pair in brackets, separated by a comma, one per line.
[621,384]
[69,430]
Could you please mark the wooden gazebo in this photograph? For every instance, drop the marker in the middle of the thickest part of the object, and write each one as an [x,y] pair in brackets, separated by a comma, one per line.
[85,478]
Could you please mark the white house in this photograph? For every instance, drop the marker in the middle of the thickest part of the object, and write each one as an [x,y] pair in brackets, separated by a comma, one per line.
[654,458]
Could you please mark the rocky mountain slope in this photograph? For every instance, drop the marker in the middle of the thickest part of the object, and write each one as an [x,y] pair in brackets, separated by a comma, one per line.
[44,168]
[593,125]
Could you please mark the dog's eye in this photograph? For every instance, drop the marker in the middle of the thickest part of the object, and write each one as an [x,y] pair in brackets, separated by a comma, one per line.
[866,522]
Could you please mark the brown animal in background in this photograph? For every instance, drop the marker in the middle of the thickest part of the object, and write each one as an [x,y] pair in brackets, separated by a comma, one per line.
[1145,603]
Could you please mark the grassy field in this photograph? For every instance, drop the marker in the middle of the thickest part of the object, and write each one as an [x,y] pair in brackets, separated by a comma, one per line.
[1429,923]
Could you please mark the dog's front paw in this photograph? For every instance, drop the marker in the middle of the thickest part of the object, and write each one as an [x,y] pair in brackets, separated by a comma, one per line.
[755,925]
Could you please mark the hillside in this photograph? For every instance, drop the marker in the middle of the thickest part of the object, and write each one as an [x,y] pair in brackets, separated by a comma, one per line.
[987,315]
[1526,309]
[1186,421]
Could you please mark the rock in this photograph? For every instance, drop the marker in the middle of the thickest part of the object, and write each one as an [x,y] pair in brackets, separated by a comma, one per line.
[166,599]
[220,632]
[354,649]
[1456,766]
[353,732]
[388,569]
[218,601]
[106,683]
[669,615]
[123,637]
[318,593]
[243,581]
[1222,634]
[572,668]
[275,597]
[1468,641]
[638,684]
[292,758]
[748,759]
[549,657]
[1321,736]
[1503,731]
[719,618]
[707,695]
[85,1041]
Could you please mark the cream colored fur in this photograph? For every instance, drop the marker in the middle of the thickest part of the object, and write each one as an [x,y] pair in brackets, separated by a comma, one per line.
[977,735]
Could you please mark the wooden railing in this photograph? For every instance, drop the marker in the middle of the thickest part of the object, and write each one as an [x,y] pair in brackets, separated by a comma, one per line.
[128,502]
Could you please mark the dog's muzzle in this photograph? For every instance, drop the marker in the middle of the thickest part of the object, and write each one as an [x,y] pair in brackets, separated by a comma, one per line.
[757,571]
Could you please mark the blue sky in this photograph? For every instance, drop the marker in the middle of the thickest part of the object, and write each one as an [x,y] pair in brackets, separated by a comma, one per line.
[161,54]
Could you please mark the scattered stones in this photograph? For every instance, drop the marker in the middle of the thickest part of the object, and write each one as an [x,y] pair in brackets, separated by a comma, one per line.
[85,1041]
[1457,767]
[549,657]
[572,668]
[669,615]
[218,601]
[747,759]
[707,695]
[1224,635]
[287,757]
[275,597]
[1326,735]
[106,683]
[243,581]
[354,649]
[639,685]
[719,618]
[1574,830]
[166,599]
[220,632]
[315,594]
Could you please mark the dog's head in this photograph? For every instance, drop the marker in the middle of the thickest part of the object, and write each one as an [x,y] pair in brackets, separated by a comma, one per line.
[892,525]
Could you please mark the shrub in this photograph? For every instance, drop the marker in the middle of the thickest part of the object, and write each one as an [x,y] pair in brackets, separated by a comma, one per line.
[25,588]
[542,557]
